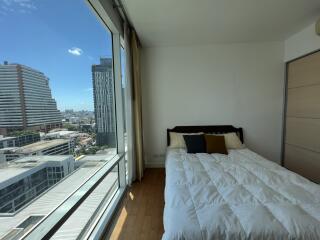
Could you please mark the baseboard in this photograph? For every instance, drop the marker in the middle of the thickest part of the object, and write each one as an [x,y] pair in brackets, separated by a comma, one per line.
[154,165]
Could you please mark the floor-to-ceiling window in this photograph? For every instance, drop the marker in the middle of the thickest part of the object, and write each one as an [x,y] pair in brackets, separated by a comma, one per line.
[61,91]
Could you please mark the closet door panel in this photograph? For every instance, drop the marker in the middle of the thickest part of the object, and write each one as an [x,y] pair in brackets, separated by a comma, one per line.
[305,71]
[304,132]
[302,118]
[304,102]
[303,162]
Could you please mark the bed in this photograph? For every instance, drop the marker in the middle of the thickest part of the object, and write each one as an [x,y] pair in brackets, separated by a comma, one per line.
[236,196]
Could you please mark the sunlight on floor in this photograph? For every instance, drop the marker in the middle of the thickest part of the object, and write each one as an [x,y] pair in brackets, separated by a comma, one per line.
[141,213]
[131,195]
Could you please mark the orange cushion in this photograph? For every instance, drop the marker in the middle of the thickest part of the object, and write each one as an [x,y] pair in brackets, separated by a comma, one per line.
[215,144]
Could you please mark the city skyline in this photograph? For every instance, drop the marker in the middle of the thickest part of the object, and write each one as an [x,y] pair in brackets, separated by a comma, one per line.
[64,52]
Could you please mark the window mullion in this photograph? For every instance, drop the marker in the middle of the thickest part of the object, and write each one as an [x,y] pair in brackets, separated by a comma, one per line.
[119,104]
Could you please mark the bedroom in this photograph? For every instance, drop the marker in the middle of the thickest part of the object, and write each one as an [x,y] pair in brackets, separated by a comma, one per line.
[225,65]
[215,123]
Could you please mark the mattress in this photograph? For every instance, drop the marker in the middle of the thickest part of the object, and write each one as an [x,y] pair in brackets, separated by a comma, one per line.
[237,196]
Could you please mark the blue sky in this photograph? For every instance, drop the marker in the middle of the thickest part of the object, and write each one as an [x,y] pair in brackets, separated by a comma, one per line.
[62,40]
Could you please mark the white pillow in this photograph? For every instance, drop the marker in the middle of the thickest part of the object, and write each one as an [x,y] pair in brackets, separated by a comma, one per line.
[177,140]
[232,141]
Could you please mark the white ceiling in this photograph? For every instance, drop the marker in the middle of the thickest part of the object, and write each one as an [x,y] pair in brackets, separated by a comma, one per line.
[180,22]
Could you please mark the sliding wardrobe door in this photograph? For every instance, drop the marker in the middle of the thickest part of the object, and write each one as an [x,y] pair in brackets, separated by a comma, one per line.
[302,132]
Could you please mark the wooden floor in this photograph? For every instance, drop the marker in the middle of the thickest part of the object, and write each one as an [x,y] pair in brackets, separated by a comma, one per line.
[141,215]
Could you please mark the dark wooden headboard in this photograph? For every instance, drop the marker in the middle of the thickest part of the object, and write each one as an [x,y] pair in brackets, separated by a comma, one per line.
[218,129]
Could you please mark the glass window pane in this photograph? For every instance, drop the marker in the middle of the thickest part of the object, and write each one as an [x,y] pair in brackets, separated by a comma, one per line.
[57,111]
[124,96]
[124,86]
[86,211]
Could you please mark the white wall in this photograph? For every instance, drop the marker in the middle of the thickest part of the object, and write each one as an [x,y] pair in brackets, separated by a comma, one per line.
[238,84]
[301,43]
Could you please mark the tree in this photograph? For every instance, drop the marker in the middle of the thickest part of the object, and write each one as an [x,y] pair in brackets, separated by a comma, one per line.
[70,127]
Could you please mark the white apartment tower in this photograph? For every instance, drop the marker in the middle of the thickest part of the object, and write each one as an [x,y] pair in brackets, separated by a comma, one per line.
[25,100]
[103,92]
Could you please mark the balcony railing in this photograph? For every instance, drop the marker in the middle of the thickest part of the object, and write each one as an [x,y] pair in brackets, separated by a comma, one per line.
[49,225]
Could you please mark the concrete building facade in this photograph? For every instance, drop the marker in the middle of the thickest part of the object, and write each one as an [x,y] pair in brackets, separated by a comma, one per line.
[25,100]
[45,147]
[103,92]
[19,140]
[24,179]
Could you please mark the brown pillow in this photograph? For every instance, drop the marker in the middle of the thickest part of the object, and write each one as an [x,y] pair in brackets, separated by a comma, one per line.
[215,144]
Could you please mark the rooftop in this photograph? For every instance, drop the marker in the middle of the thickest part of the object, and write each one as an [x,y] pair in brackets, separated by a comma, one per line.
[98,158]
[62,133]
[40,159]
[10,171]
[12,149]
[41,145]
[7,64]
[6,138]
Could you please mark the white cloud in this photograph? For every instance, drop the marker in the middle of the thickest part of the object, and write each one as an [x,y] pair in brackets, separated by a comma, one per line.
[22,6]
[27,5]
[75,51]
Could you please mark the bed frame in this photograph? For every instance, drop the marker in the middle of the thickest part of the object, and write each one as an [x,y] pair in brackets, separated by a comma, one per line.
[218,129]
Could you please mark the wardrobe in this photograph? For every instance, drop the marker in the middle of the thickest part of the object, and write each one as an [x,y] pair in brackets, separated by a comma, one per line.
[301,145]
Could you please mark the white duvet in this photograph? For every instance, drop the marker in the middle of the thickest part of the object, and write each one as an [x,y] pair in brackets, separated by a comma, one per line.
[239,196]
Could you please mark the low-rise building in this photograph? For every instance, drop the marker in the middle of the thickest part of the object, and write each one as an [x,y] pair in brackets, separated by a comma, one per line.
[72,136]
[19,140]
[6,142]
[26,138]
[74,120]
[24,179]
[62,134]
[8,154]
[14,225]
[45,147]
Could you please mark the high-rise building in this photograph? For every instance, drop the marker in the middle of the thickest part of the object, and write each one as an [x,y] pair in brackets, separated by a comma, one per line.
[25,100]
[103,92]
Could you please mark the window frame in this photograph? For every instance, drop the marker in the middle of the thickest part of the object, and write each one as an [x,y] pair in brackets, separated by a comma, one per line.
[50,224]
